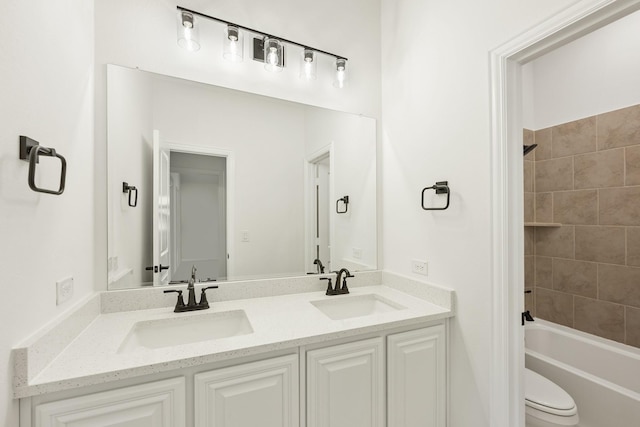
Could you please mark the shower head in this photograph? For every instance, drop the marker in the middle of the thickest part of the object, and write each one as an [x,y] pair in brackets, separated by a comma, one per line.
[529,148]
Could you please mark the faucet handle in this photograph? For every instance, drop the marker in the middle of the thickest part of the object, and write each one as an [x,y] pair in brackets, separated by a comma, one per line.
[180,301]
[330,290]
[203,296]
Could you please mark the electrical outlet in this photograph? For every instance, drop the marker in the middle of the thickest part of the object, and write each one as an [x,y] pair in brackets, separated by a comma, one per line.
[64,290]
[419,267]
[357,253]
[245,236]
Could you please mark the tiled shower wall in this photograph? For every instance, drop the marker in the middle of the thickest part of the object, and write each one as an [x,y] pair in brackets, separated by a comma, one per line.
[585,272]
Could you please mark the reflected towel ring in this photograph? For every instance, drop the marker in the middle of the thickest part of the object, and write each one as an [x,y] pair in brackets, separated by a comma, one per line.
[344,200]
[30,151]
[126,188]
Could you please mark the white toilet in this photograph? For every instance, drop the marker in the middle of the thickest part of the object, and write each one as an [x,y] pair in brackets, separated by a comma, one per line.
[546,404]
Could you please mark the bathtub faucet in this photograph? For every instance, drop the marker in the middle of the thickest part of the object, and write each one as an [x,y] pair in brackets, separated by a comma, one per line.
[526,315]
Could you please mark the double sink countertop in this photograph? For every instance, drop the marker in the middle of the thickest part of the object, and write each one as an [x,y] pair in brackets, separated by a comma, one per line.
[94,346]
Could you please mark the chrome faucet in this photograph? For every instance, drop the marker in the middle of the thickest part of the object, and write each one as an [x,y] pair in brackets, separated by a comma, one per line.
[191,305]
[337,289]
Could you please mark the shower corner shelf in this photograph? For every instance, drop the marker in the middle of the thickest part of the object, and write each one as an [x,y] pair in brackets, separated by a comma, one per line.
[542,224]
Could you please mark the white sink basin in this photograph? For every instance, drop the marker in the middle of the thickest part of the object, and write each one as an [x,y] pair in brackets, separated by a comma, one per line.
[182,330]
[345,307]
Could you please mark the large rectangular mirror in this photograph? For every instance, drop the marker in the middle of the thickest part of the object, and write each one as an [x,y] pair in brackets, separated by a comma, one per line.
[240,186]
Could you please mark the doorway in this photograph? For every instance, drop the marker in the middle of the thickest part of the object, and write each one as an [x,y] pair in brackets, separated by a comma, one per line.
[507,389]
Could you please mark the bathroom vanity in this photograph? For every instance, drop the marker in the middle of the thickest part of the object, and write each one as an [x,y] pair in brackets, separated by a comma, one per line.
[375,357]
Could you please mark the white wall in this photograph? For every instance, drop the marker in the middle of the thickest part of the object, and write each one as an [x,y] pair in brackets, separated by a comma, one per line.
[597,73]
[130,161]
[436,118]
[46,88]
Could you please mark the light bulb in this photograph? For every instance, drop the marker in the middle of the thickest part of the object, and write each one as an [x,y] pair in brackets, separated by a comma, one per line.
[233,44]
[273,55]
[341,73]
[187,31]
[308,65]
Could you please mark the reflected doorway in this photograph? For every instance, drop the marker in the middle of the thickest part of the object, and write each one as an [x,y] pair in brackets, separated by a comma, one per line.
[198,216]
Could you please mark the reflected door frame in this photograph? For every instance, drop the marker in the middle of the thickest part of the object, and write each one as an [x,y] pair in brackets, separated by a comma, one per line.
[310,164]
[230,190]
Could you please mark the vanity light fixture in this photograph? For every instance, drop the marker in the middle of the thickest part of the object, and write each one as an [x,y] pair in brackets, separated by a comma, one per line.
[341,73]
[308,64]
[267,48]
[233,44]
[188,37]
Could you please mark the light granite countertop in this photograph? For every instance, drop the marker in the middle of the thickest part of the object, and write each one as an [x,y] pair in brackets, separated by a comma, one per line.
[93,356]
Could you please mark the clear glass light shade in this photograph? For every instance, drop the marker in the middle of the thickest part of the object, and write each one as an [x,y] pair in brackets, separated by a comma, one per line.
[188,37]
[273,55]
[233,44]
[341,73]
[308,65]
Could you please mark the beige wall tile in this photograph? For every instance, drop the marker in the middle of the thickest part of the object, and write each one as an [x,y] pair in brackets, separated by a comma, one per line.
[555,241]
[529,301]
[600,244]
[619,206]
[575,277]
[544,272]
[599,318]
[632,165]
[529,271]
[528,176]
[619,128]
[529,237]
[576,207]
[544,207]
[598,170]
[543,139]
[529,207]
[619,284]
[554,306]
[632,324]
[575,137]
[554,175]
[633,246]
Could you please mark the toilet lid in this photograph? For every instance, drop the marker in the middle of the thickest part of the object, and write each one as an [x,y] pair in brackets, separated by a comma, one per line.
[544,395]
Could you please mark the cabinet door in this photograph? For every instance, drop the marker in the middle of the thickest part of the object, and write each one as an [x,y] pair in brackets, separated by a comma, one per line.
[345,385]
[263,393]
[157,404]
[416,375]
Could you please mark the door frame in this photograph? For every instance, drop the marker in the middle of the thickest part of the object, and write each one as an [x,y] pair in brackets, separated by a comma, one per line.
[229,190]
[309,179]
[507,213]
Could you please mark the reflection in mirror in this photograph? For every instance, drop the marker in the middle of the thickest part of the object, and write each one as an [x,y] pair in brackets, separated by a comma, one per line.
[239,185]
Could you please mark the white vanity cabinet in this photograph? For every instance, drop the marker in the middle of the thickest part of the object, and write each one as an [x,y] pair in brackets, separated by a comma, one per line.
[350,385]
[155,404]
[416,375]
[263,393]
[345,385]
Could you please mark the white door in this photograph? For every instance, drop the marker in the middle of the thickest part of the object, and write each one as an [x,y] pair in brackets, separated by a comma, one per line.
[345,385]
[161,211]
[416,375]
[156,404]
[259,394]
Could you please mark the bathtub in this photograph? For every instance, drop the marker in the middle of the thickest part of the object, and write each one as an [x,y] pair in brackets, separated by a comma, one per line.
[602,376]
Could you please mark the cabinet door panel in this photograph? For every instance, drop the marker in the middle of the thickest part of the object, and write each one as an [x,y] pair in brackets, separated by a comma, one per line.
[157,404]
[416,378]
[345,385]
[263,393]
